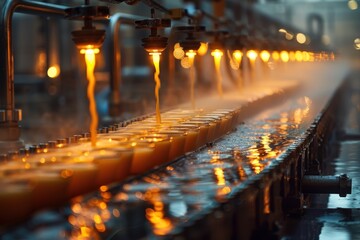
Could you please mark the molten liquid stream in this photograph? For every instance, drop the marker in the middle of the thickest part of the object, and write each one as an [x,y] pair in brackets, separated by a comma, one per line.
[217,54]
[90,65]
[191,56]
[156,61]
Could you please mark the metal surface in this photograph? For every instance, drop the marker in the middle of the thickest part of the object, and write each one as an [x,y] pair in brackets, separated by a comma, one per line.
[327,184]
[250,178]
[115,55]
[9,128]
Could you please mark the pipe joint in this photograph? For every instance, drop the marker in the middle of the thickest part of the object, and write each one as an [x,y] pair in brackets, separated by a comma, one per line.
[341,184]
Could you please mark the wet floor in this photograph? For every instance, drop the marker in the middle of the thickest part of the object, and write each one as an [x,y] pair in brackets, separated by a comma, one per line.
[331,216]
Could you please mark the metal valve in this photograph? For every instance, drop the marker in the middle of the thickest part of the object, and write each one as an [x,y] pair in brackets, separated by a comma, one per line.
[154,42]
[190,43]
[217,43]
[88,36]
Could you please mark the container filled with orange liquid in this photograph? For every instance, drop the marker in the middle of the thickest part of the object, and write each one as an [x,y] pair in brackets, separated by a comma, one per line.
[15,201]
[191,132]
[48,188]
[161,143]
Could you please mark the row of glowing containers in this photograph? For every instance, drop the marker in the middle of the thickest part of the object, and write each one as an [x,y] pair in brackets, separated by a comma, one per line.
[54,175]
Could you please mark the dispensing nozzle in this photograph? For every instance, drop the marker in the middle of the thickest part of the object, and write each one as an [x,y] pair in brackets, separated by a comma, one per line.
[88,36]
[154,42]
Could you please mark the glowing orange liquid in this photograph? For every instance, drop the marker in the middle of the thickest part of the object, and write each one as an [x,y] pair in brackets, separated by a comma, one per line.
[192,80]
[156,61]
[90,65]
[217,60]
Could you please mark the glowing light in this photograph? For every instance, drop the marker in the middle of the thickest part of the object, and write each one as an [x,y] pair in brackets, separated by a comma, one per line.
[156,61]
[191,55]
[352,4]
[185,62]
[275,55]
[252,55]
[220,177]
[292,56]
[299,56]
[90,66]
[237,54]
[178,51]
[357,43]
[284,55]
[217,54]
[203,48]
[289,36]
[156,215]
[301,38]
[306,56]
[53,71]
[265,56]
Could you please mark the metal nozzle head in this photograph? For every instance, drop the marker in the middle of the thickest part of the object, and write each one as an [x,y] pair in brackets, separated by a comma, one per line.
[154,43]
[190,45]
[88,38]
[216,45]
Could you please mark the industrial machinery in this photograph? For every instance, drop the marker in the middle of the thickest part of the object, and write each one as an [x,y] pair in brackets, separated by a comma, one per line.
[219,124]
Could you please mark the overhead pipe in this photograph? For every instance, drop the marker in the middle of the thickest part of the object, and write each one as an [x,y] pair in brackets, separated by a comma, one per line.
[115,58]
[9,116]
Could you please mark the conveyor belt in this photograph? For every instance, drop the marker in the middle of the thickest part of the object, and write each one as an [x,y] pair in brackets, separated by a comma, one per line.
[242,179]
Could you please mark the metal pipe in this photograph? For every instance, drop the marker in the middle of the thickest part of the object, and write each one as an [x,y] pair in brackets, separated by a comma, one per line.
[327,184]
[9,116]
[115,58]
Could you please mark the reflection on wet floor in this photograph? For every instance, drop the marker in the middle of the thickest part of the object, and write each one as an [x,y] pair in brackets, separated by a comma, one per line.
[333,217]
[337,225]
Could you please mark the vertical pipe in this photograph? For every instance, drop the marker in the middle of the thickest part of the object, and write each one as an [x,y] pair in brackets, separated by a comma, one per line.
[9,116]
[115,59]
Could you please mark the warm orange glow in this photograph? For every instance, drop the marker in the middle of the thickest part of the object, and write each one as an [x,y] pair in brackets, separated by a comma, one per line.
[178,51]
[292,56]
[235,59]
[306,56]
[283,128]
[267,200]
[156,215]
[185,62]
[191,55]
[156,61]
[252,55]
[237,55]
[203,49]
[265,56]
[275,56]
[53,71]
[220,177]
[90,66]
[284,56]
[299,56]
[217,54]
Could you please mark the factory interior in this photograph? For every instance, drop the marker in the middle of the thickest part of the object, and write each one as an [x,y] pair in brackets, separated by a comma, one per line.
[186,119]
